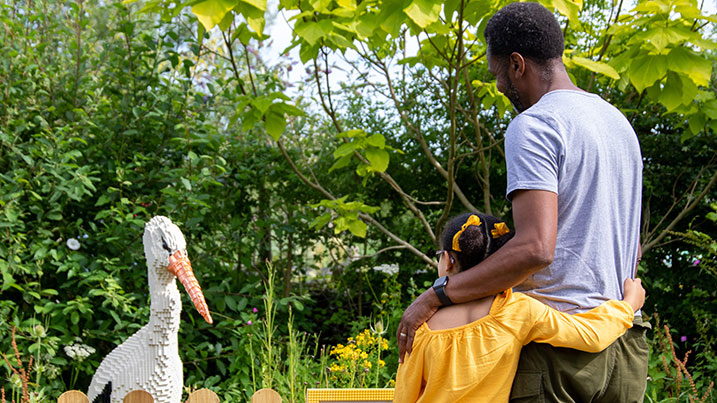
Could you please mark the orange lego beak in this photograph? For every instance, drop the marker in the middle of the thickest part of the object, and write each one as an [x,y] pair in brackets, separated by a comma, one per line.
[180,266]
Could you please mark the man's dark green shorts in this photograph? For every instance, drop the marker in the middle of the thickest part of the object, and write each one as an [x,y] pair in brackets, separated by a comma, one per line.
[618,374]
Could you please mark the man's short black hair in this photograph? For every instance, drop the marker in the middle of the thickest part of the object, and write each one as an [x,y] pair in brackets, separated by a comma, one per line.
[527,28]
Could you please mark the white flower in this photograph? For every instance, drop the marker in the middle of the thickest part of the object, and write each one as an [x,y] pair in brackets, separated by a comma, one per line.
[389,269]
[70,351]
[73,244]
[78,351]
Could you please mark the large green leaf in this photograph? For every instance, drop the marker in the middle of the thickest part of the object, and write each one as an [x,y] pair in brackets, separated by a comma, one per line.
[662,36]
[569,9]
[423,12]
[598,67]
[671,96]
[345,149]
[377,140]
[275,124]
[259,4]
[697,67]
[391,18]
[349,5]
[253,15]
[646,70]
[341,163]
[358,228]
[652,7]
[311,31]
[211,12]
[378,158]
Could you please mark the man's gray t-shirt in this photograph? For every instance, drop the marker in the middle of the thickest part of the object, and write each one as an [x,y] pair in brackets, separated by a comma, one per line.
[580,147]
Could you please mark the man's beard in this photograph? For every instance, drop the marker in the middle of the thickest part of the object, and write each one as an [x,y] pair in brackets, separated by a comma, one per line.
[513,97]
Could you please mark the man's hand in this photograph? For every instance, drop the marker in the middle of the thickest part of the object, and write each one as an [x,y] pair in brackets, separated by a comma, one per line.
[634,293]
[413,317]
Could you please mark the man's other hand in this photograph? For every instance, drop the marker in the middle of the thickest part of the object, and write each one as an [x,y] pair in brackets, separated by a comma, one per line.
[413,317]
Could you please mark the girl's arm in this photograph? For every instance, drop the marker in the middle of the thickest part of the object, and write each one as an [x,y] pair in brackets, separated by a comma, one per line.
[590,331]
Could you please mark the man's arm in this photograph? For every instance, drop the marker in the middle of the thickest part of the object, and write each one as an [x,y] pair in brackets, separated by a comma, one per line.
[535,214]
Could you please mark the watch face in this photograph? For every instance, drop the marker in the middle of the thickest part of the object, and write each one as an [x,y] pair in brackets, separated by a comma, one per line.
[440,282]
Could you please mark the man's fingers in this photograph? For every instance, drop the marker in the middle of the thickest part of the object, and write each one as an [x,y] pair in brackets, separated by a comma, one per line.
[401,343]
[409,341]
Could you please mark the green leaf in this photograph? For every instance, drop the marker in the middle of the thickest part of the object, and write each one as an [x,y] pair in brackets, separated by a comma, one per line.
[186,184]
[598,67]
[275,124]
[671,96]
[262,104]
[311,31]
[200,37]
[345,149]
[320,221]
[259,4]
[697,123]
[226,22]
[391,18]
[211,12]
[378,158]
[104,199]
[54,215]
[423,12]
[307,53]
[661,36]
[569,9]
[696,66]
[358,228]
[349,5]
[647,70]
[254,16]
[376,140]
[352,133]
[652,7]
[341,163]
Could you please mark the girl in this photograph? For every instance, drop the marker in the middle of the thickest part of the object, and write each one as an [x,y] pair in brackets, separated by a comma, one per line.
[469,352]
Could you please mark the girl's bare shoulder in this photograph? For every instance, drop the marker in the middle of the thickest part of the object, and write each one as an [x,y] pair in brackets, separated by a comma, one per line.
[460,314]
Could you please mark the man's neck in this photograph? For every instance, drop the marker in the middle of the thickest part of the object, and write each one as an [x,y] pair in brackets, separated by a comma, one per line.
[558,79]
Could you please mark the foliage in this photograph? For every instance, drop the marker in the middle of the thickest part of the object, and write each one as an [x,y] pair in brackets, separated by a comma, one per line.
[113,113]
[669,379]
[355,363]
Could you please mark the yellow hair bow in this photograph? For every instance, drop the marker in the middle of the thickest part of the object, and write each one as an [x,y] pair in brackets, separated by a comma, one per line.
[472,220]
[500,230]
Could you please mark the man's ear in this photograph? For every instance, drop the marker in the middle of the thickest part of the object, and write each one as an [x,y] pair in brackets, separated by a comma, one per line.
[516,64]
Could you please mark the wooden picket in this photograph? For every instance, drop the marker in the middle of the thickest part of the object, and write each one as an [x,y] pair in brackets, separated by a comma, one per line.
[138,396]
[266,396]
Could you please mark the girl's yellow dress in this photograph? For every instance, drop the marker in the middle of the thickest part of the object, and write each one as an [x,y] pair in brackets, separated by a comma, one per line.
[477,362]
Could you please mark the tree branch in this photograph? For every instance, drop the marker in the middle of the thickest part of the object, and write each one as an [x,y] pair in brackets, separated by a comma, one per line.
[648,244]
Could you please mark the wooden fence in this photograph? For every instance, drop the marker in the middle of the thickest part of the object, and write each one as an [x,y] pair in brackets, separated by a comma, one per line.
[200,396]
[260,396]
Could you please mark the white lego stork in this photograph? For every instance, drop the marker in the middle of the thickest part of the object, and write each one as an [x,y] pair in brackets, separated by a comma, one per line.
[149,359]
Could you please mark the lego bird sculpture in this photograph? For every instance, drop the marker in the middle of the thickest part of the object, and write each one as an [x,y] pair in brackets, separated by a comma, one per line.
[149,359]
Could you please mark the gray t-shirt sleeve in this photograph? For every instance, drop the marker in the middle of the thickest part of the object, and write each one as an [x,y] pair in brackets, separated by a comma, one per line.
[534,154]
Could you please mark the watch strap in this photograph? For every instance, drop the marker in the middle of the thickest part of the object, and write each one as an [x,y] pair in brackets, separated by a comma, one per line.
[441,293]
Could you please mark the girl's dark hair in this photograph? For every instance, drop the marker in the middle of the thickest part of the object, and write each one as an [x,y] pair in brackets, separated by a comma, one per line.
[476,242]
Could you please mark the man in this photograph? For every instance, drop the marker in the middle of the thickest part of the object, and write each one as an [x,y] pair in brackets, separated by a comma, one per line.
[574,179]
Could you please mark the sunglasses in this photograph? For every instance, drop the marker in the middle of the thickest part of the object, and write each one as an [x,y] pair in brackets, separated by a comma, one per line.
[440,252]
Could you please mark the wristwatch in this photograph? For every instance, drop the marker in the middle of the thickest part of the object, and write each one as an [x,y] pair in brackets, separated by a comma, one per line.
[439,287]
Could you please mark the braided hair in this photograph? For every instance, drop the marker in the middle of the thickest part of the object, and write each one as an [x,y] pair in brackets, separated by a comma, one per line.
[475,242]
